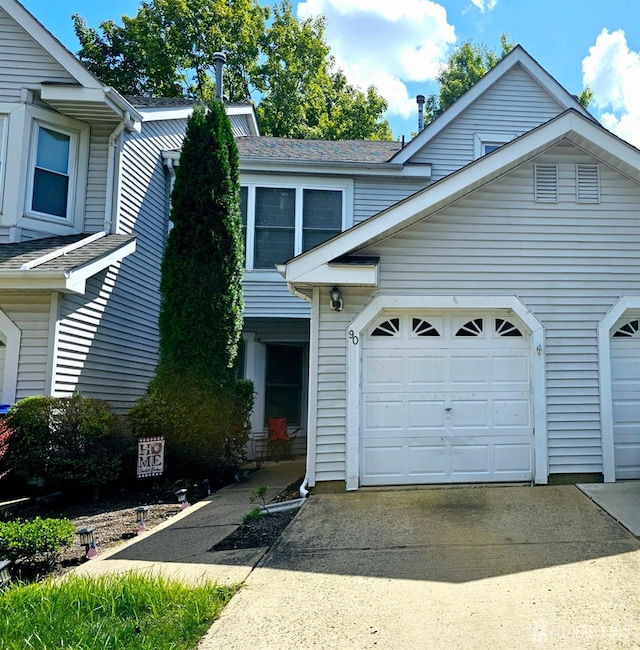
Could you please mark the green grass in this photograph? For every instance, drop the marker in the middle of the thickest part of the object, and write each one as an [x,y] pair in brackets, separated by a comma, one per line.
[108,613]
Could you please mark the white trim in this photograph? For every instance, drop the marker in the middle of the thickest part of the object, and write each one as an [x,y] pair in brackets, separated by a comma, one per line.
[389,170]
[165,113]
[517,56]
[312,405]
[482,139]
[12,336]
[623,305]
[53,348]
[448,303]
[4,123]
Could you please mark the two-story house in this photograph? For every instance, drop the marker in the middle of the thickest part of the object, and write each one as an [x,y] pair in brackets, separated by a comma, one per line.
[460,308]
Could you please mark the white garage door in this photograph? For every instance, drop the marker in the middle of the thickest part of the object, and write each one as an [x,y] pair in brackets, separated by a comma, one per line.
[446,398]
[625,392]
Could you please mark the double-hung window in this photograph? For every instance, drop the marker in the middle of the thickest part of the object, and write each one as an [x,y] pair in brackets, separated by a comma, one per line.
[287,219]
[52,172]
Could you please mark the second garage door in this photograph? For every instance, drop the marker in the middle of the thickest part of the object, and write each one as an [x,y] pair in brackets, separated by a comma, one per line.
[446,398]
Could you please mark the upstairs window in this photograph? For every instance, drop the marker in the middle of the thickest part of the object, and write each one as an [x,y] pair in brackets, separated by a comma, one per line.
[282,222]
[53,153]
[484,143]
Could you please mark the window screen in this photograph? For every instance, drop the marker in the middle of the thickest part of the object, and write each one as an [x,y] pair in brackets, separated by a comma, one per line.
[321,215]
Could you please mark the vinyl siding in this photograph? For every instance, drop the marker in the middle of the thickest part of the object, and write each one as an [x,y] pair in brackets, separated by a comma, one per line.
[23,62]
[514,105]
[109,337]
[372,195]
[268,298]
[567,262]
[31,314]
[96,195]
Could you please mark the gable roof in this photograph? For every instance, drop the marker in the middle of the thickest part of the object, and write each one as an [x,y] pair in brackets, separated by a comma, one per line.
[87,99]
[518,56]
[312,267]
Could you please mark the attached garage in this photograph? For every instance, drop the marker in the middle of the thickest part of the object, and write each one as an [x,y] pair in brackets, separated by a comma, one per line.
[446,398]
[625,397]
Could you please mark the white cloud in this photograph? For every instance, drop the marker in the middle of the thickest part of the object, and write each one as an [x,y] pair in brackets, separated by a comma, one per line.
[484,5]
[612,71]
[386,44]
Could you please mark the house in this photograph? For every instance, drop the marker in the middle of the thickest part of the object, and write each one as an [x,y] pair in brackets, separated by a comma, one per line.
[462,308]
[83,220]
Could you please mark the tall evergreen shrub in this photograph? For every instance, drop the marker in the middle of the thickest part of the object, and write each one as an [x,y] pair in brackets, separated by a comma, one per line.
[193,399]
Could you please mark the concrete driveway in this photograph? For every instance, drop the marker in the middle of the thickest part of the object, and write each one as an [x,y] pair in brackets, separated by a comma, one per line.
[483,567]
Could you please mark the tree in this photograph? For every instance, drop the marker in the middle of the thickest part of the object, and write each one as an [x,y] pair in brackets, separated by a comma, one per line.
[194,399]
[466,65]
[167,50]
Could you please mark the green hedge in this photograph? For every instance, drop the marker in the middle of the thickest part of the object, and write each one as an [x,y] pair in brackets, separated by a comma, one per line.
[39,539]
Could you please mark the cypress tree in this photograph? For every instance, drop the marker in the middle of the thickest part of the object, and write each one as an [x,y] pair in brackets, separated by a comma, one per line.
[194,399]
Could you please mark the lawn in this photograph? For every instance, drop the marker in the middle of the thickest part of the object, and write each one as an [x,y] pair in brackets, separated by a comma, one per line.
[130,612]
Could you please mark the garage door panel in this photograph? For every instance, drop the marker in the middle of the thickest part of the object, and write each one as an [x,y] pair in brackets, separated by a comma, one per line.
[627,453]
[426,414]
[469,413]
[469,370]
[512,413]
[385,415]
[510,372]
[384,371]
[470,459]
[513,457]
[426,370]
[384,461]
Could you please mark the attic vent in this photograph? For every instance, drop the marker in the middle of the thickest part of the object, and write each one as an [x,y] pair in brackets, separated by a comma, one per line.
[588,183]
[546,183]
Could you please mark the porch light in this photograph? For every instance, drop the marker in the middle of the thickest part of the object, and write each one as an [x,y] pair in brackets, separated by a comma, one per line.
[182,497]
[5,575]
[335,299]
[141,513]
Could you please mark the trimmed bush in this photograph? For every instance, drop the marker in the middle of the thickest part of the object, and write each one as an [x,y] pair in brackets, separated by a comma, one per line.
[31,541]
[66,441]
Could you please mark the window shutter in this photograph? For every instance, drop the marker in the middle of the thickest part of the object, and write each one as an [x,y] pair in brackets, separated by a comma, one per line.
[588,183]
[546,183]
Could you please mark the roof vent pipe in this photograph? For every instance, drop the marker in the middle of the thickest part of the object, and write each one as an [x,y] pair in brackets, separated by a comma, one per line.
[420,100]
[220,59]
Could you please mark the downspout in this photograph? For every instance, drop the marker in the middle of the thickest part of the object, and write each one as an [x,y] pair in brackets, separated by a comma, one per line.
[172,182]
[111,168]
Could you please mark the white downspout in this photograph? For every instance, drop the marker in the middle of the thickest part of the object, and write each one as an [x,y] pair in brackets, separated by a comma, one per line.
[111,169]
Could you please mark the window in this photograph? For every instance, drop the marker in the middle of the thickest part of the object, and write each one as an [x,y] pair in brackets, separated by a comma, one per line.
[484,143]
[283,386]
[53,154]
[282,221]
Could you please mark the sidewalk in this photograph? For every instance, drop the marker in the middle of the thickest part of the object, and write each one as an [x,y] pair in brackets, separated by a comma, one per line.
[180,547]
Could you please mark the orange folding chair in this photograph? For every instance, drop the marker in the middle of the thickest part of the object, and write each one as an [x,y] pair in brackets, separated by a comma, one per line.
[280,441]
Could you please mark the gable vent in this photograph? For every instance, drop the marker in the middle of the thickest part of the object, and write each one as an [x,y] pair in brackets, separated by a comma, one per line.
[546,183]
[588,183]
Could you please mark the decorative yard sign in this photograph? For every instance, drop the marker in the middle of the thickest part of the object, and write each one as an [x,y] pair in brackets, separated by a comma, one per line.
[150,456]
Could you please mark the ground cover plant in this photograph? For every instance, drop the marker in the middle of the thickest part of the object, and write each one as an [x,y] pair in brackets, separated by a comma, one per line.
[134,611]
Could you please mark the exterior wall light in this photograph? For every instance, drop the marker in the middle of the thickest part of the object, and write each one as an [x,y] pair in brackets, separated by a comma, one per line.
[335,299]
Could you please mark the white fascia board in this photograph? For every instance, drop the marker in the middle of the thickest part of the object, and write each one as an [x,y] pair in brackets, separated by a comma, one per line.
[77,277]
[343,274]
[165,113]
[569,125]
[50,43]
[517,56]
[104,95]
[249,165]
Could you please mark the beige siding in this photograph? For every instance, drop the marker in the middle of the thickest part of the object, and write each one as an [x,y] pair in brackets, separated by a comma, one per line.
[514,105]
[31,314]
[567,262]
[23,62]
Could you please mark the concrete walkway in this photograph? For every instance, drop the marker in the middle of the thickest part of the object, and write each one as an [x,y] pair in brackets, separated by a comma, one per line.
[453,568]
[181,546]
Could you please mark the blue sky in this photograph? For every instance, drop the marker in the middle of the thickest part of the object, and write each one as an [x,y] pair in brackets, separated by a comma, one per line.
[399,45]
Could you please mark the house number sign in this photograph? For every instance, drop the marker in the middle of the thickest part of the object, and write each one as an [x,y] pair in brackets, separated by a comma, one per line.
[353,337]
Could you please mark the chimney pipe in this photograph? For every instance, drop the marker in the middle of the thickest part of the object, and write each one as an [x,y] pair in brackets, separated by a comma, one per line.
[220,59]
[420,100]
